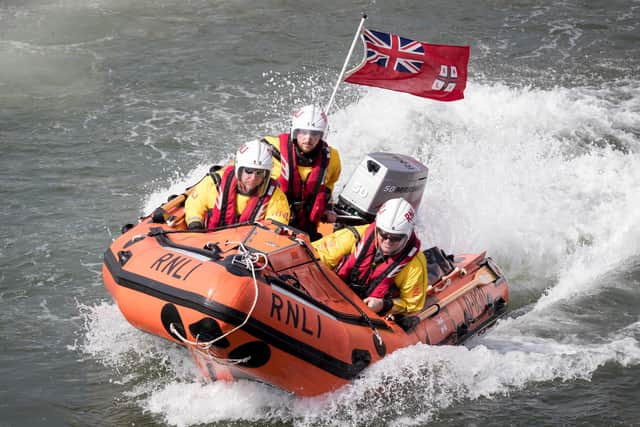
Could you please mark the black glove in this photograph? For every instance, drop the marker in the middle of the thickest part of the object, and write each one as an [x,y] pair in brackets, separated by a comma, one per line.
[387,304]
[407,323]
[195,225]
[158,216]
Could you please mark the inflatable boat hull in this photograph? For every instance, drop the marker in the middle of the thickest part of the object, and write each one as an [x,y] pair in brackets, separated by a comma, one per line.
[252,301]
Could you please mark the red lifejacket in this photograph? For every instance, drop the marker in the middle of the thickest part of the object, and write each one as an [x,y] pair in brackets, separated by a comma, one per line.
[224,211]
[358,271]
[309,199]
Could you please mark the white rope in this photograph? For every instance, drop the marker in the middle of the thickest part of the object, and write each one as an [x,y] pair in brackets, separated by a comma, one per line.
[203,350]
[248,259]
[223,361]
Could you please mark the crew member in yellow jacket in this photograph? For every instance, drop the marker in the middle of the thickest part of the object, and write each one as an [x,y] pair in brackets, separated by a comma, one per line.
[307,169]
[382,261]
[243,192]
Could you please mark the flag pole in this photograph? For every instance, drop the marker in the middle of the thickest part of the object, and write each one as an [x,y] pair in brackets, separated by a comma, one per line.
[346,62]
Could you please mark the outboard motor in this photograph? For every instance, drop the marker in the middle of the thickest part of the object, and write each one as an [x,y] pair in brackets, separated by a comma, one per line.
[378,178]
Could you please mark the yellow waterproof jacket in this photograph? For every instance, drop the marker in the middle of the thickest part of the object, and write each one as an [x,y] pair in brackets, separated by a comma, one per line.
[205,193]
[333,170]
[412,281]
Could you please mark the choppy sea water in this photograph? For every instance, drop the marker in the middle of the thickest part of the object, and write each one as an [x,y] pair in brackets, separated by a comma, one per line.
[108,106]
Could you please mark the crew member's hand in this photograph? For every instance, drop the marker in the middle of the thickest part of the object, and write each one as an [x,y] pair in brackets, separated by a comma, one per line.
[330,216]
[375,304]
[195,225]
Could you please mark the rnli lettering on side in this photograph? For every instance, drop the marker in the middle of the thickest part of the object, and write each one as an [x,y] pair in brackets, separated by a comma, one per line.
[176,266]
[442,325]
[475,302]
[295,315]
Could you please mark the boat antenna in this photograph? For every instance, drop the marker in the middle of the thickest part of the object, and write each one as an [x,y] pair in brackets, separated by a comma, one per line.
[346,62]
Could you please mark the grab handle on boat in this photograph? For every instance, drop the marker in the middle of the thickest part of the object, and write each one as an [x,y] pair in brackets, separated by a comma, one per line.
[483,276]
[445,281]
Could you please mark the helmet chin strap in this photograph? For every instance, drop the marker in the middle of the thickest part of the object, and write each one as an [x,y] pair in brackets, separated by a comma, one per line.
[307,159]
[397,251]
[379,255]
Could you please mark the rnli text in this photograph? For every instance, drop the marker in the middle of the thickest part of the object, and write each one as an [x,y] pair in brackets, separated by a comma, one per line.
[174,265]
[294,315]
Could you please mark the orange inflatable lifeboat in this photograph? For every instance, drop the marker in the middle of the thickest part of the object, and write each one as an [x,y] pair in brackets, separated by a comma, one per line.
[253,301]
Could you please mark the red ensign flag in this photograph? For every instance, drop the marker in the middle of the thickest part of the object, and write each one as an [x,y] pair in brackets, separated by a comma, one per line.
[428,70]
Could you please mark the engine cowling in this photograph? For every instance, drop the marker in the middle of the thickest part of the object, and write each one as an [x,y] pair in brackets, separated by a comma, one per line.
[378,178]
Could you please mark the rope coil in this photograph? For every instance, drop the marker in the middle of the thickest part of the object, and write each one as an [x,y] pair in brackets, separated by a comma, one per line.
[252,261]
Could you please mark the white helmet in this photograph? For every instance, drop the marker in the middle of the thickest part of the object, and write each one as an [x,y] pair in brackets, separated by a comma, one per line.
[396,216]
[254,155]
[309,117]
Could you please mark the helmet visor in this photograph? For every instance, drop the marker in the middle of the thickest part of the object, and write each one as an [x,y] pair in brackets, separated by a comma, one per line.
[313,133]
[394,238]
[251,171]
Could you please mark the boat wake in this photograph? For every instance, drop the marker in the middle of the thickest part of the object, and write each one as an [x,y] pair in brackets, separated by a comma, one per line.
[544,180]
[409,387]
